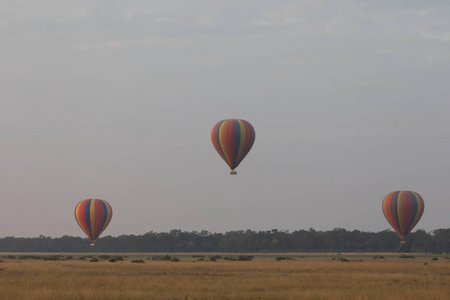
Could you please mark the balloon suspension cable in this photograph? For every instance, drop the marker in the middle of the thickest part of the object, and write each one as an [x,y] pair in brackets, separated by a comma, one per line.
[233,172]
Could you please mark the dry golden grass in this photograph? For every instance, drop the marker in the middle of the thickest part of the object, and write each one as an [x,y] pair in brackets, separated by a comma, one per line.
[262,278]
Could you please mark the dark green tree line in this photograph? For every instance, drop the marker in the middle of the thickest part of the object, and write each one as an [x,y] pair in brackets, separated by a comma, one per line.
[249,241]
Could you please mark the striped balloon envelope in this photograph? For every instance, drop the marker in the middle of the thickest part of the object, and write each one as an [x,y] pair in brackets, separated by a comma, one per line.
[403,209]
[233,139]
[93,216]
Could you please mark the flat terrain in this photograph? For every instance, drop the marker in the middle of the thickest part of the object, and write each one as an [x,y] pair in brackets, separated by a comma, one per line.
[343,276]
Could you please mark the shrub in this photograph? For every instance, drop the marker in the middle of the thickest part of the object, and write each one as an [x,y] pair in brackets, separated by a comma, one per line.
[245,257]
[229,258]
[284,258]
[165,257]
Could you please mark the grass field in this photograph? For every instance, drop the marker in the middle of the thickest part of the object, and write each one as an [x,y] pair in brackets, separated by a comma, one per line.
[308,277]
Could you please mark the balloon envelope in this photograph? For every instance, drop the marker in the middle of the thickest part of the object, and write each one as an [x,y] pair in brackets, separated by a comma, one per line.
[403,210]
[233,139]
[93,216]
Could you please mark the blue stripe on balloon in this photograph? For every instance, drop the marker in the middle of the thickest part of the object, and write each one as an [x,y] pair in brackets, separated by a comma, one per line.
[415,210]
[105,216]
[254,135]
[88,215]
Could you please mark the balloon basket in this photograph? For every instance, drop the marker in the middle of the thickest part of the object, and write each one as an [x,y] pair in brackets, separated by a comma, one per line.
[233,172]
[402,242]
[92,244]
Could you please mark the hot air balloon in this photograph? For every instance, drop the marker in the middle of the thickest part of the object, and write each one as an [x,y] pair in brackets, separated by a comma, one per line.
[403,210]
[93,216]
[233,139]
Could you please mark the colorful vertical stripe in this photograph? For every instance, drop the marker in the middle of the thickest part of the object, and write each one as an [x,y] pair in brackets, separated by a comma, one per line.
[233,139]
[93,216]
[403,210]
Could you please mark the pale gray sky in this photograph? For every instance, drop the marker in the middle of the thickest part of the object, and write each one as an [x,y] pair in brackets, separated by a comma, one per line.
[116,100]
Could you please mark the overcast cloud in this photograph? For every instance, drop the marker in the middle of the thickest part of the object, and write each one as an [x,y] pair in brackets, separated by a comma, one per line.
[116,100]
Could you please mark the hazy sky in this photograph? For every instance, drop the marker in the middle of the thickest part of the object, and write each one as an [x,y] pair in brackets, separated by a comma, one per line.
[116,100]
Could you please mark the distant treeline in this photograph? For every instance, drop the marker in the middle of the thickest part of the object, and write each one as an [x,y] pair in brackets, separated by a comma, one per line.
[249,241]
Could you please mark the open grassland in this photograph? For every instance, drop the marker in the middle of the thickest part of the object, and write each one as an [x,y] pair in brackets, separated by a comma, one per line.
[308,277]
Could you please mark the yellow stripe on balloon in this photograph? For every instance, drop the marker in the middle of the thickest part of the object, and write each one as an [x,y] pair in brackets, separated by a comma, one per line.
[82,224]
[92,217]
[222,141]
